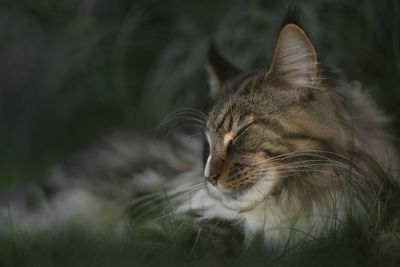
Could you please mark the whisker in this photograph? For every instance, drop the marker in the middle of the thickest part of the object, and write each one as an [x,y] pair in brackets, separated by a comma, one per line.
[183,126]
[302,153]
[182,118]
[299,168]
[290,164]
[182,114]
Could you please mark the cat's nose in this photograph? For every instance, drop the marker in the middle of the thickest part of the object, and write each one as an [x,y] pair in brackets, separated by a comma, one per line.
[213,179]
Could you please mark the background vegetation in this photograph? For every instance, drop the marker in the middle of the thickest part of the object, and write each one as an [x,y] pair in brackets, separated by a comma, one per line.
[72,71]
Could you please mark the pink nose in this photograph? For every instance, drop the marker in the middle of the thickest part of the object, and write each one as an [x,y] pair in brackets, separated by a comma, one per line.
[213,179]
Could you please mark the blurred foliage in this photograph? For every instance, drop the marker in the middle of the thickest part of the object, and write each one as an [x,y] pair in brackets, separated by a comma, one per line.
[72,71]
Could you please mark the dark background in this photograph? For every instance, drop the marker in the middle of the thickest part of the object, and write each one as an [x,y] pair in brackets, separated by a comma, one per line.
[72,71]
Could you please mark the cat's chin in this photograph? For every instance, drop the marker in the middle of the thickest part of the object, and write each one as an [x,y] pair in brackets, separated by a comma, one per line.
[218,192]
[246,200]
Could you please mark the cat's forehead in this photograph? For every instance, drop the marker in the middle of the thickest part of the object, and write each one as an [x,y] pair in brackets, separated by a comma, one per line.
[245,98]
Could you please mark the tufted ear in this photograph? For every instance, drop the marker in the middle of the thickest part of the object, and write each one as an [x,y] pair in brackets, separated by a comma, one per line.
[295,61]
[220,70]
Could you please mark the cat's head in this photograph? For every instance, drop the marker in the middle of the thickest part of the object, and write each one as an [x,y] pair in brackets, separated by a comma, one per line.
[261,118]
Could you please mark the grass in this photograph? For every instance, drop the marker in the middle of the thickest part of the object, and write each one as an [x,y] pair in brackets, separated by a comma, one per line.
[179,243]
[73,71]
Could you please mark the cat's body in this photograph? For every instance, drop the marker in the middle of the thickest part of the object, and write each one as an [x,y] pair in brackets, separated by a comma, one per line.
[296,153]
[98,187]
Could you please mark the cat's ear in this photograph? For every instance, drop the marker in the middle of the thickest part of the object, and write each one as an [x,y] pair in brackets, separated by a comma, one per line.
[295,61]
[220,71]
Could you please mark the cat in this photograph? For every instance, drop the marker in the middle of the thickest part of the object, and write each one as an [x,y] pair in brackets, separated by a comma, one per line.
[292,153]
